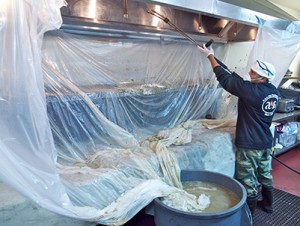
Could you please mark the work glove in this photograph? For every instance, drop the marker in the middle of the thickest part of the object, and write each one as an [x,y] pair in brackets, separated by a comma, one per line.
[206,50]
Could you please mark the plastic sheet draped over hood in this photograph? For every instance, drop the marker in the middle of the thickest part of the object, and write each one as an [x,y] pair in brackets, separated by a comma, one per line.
[140,86]
[70,127]
[27,150]
[278,47]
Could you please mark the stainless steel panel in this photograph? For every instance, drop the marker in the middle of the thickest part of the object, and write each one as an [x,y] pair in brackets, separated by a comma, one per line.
[202,20]
[216,8]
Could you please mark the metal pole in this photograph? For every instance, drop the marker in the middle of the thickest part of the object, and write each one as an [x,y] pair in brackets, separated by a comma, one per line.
[166,20]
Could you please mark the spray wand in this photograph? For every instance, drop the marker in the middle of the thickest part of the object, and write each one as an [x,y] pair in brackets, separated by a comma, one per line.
[166,20]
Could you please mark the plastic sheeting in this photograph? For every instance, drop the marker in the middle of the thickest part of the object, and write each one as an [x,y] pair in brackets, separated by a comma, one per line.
[100,111]
[71,127]
[28,155]
[141,87]
[278,47]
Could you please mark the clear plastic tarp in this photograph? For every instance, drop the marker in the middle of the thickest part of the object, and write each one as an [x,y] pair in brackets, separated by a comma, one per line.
[278,47]
[86,123]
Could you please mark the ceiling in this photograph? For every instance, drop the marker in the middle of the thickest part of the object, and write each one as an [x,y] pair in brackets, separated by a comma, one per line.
[284,9]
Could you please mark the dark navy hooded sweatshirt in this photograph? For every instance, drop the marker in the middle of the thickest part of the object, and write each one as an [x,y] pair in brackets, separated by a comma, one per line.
[256,106]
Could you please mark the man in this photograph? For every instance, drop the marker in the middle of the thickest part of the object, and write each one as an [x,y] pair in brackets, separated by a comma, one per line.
[257,103]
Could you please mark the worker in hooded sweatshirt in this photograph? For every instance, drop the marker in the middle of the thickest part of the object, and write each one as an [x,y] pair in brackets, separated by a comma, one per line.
[257,102]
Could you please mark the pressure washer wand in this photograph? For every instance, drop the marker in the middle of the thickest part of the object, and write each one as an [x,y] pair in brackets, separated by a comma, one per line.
[166,20]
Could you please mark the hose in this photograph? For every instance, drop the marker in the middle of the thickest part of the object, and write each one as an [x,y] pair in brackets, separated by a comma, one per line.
[290,168]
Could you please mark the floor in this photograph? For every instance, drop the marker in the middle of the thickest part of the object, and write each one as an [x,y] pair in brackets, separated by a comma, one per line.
[284,178]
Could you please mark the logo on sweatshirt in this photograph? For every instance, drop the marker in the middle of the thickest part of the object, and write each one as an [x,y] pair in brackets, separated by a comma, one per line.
[270,104]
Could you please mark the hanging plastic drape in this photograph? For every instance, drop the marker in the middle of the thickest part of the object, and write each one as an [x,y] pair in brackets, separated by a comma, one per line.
[101,92]
[28,157]
[102,99]
[278,47]
[86,123]
[106,100]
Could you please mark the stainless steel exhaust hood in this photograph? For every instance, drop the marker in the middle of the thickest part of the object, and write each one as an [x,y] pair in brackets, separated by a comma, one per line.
[202,20]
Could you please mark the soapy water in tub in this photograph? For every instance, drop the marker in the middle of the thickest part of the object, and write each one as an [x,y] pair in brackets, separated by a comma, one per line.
[211,197]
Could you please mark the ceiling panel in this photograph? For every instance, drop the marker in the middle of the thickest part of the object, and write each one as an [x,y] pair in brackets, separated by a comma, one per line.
[291,7]
[288,10]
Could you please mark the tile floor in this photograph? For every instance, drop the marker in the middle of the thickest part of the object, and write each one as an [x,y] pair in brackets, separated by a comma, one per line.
[284,178]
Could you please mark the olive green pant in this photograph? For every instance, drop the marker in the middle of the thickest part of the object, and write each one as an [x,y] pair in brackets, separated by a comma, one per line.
[253,168]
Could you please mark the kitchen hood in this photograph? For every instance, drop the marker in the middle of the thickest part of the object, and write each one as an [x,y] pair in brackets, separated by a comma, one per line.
[129,19]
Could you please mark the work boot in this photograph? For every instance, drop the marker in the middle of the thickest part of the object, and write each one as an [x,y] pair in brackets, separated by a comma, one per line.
[252,202]
[267,199]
